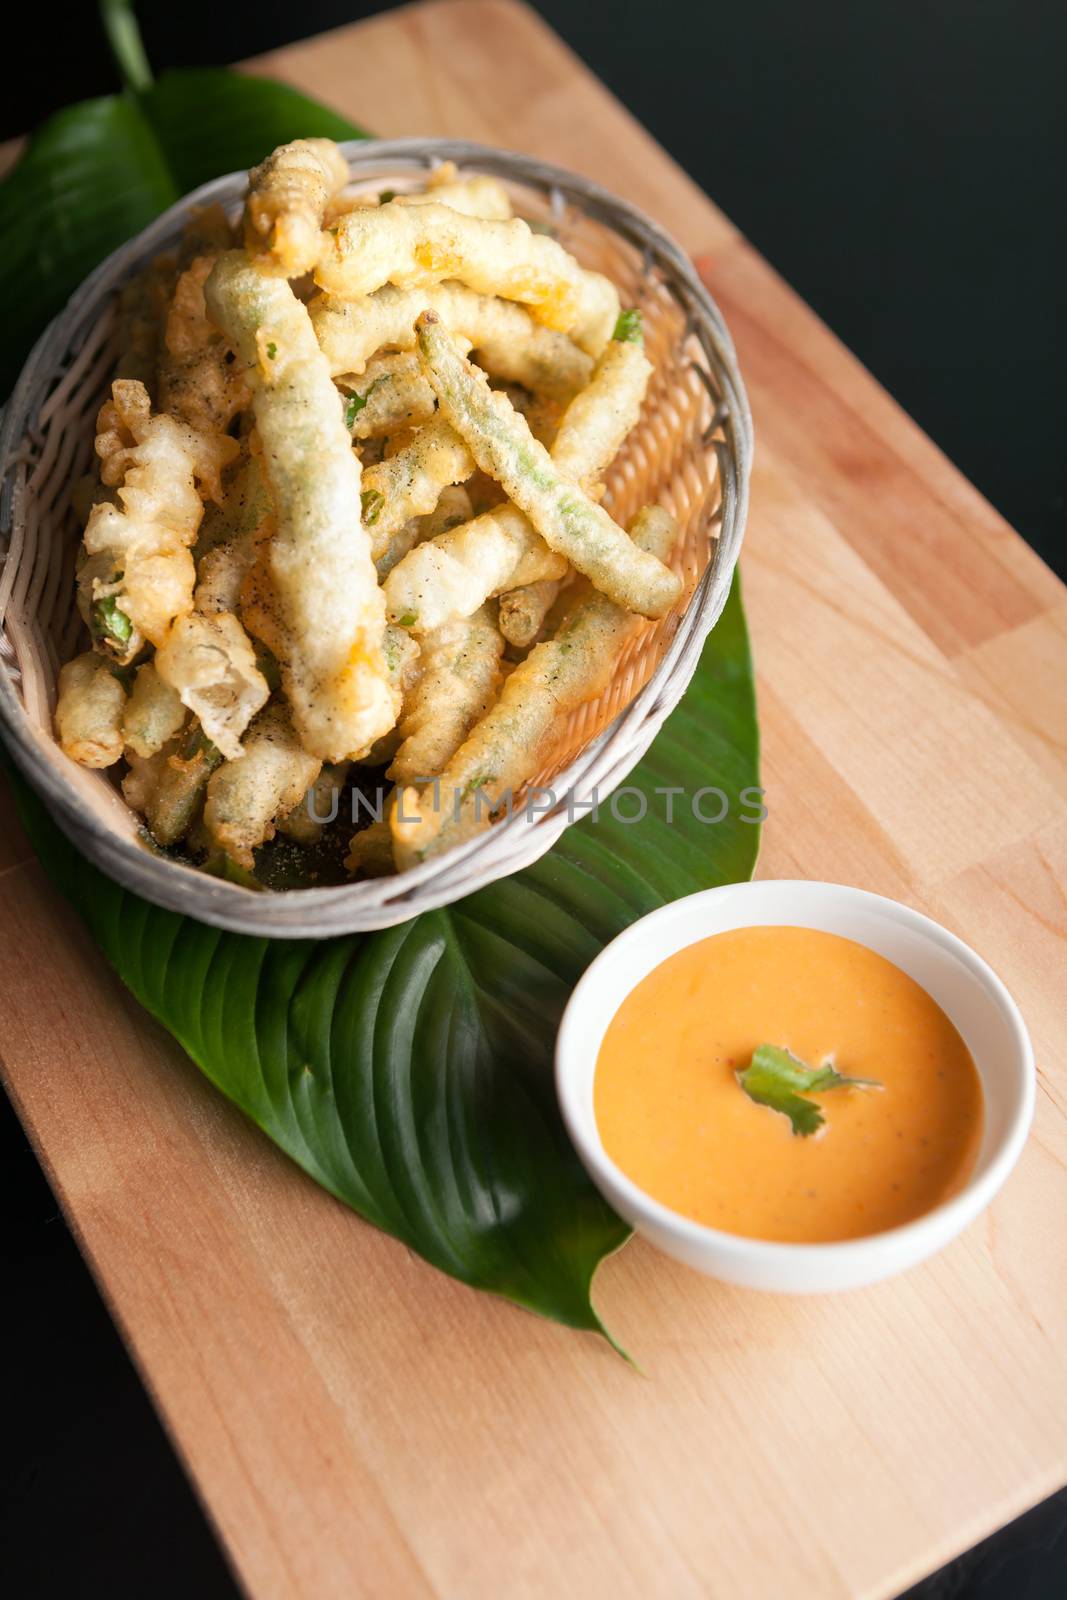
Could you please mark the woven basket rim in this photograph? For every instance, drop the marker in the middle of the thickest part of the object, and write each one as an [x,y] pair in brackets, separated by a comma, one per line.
[514,842]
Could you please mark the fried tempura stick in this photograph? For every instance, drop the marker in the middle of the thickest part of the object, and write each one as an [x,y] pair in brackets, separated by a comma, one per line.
[452,508]
[308,818]
[459,677]
[331,607]
[245,797]
[210,661]
[153,714]
[567,519]
[477,196]
[502,750]
[415,245]
[139,782]
[590,432]
[390,395]
[370,853]
[451,575]
[599,418]
[140,575]
[523,611]
[510,344]
[409,484]
[168,787]
[402,659]
[500,550]
[89,711]
[287,196]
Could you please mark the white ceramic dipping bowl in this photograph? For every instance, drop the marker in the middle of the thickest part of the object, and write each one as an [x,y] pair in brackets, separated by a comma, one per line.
[962,984]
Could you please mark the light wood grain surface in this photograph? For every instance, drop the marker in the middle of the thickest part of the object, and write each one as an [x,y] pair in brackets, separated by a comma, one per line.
[359,1425]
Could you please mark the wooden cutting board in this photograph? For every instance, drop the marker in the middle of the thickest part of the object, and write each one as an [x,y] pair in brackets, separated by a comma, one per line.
[359,1425]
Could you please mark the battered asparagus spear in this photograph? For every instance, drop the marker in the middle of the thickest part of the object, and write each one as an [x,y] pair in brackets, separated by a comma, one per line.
[567,519]
[497,758]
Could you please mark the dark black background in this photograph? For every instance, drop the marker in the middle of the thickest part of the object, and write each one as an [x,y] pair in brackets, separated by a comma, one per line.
[903,166]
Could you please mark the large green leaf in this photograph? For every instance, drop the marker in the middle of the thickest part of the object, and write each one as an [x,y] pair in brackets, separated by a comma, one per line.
[410,1071]
[90,179]
[97,173]
[209,121]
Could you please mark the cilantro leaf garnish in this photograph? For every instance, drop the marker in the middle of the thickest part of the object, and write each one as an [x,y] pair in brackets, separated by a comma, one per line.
[353,406]
[775,1077]
[109,623]
[628,329]
[372,501]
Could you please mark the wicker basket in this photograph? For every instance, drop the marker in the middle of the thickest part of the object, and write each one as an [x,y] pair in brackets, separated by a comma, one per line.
[690,452]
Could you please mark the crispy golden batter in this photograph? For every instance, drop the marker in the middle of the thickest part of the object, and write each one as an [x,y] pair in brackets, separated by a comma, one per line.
[370,852]
[453,507]
[210,662]
[287,197]
[409,484]
[451,575]
[600,416]
[89,711]
[231,535]
[510,344]
[402,659]
[168,787]
[458,681]
[523,611]
[259,609]
[141,575]
[391,394]
[153,714]
[306,821]
[477,196]
[244,797]
[588,438]
[141,779]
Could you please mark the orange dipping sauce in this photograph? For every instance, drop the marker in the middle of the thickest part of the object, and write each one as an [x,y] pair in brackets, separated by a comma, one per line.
[672,1115]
